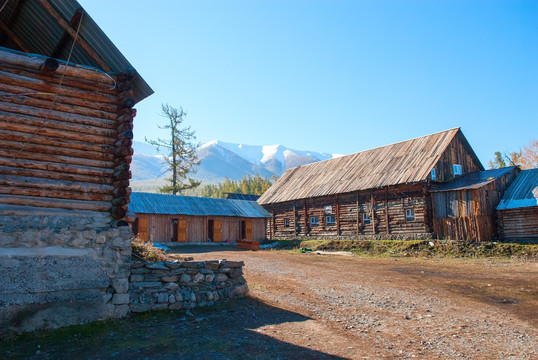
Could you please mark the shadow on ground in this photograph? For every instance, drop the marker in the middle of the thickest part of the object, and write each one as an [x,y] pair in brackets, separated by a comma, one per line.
[221,332]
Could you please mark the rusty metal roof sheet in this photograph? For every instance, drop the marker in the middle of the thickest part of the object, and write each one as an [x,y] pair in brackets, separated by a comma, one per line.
[38,32]
[404,162]
[149,203]
[523,192]
[474,180]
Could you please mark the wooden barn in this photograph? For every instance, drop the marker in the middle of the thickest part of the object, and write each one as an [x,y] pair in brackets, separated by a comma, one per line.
[66,121]
[171,219]
[518,209]
[377,193]
[464,209]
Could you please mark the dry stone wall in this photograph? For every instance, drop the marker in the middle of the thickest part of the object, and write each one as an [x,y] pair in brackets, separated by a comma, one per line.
[185,284]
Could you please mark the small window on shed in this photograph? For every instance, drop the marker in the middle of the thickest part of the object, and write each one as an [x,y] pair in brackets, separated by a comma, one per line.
[409,214]
[330,220]
[457,169]
[433,175]
[286,222]
[365,218]
[314,221]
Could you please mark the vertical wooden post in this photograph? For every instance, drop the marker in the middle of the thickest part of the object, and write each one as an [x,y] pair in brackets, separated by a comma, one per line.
[294,220]
[372,203]
[272,225]
[305,218]
[387,209]
[358,215]
[337,216]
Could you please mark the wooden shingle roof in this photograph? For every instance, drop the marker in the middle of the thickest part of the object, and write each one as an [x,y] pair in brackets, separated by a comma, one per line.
[404,162]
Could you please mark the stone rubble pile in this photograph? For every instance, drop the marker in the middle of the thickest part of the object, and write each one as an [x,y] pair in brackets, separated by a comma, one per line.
[185,284]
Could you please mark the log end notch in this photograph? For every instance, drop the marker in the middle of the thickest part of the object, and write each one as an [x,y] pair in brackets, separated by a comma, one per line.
[123,146]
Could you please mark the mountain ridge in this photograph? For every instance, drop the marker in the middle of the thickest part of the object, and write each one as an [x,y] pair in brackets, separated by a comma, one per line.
[220,160]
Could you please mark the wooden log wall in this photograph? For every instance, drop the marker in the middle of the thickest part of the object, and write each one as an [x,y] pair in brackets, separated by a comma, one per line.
[383,206]
[520,223]
[458,152]
[65,146]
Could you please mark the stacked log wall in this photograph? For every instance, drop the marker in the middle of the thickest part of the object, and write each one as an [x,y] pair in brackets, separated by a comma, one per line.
[66,137]
[519,223]
[382,205]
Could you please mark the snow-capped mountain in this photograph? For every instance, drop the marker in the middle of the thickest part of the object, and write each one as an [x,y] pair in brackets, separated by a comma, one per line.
[220,160]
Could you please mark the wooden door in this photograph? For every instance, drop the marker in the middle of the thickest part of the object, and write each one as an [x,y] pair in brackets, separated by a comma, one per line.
[248,230]
[217,230]
[143,228]
[182,230]
[174,230]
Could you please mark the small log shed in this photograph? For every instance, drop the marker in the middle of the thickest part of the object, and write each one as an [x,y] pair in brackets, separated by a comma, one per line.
[172,219]
[518,209]
[465,209]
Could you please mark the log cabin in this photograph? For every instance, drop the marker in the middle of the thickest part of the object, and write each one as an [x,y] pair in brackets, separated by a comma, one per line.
[382,193]
[173,219]
[464,209]
[66,128]
[518,209]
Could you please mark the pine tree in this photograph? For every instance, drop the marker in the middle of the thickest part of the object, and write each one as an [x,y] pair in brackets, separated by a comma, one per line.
[181,146]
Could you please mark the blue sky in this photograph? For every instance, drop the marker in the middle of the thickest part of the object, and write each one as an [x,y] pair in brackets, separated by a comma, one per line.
[334,76]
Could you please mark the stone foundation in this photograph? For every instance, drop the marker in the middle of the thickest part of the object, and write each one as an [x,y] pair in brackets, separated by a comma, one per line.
[187,284]
[60,268]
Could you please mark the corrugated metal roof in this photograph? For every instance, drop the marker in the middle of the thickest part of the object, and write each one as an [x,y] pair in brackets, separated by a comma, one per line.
[404,162]
[523,192]
[149,203]
[475,180]
[39,33]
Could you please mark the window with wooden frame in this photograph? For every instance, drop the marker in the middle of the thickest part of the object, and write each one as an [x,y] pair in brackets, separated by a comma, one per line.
[314,221]
[457,169]
[409,214]
[433,177]
[365,218]
[330,220]
[286,222]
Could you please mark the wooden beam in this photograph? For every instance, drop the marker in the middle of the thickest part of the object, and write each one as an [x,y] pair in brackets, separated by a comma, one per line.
[305,218]
[387,209]
[372,203]
[73,24]
[13,37]
[83,44]
[358,215]
[294,220]
[337,217]
[16,10]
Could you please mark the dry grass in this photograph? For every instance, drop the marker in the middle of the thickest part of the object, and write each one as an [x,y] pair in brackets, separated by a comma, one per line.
[148,252]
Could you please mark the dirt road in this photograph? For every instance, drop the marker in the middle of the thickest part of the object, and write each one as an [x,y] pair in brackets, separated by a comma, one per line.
[398,307]
[307,306]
